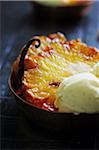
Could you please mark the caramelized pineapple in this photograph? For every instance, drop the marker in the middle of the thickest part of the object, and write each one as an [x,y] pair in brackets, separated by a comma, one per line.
[47,66]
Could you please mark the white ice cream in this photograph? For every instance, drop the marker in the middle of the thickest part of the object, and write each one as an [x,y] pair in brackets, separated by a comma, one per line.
[78,93]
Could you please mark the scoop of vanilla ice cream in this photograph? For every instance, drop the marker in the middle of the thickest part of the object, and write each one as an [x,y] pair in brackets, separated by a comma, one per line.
[79,94]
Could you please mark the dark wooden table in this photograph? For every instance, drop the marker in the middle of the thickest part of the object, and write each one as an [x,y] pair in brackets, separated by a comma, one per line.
[18,24]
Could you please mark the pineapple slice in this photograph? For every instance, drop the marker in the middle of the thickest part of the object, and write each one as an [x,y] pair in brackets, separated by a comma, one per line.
[47,66]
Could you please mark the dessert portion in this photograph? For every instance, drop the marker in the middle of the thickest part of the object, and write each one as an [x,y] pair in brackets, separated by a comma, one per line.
[62,2]
[46,68]
[78,93]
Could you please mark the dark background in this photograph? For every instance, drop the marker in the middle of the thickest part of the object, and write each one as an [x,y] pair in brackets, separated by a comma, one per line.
[18,24]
